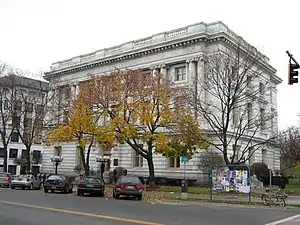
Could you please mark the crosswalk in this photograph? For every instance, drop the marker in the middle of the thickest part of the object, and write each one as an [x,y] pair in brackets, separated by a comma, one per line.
[293,220]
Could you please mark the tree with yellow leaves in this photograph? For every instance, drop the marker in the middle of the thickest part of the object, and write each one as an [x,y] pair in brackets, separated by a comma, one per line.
[143,113]
[83,128]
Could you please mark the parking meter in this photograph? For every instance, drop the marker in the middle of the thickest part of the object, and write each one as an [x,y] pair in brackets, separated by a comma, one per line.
[145,182]
[184,185]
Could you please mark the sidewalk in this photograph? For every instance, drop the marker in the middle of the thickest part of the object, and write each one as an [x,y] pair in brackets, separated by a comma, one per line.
[291,200]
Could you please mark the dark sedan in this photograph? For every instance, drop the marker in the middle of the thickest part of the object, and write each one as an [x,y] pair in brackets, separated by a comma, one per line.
[128,186]
[58,183]
[91,185]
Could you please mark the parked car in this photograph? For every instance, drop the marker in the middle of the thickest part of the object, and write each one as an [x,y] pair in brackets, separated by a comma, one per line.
[26,181]
[128,186]
[58,183]
[5,179]
[91,185]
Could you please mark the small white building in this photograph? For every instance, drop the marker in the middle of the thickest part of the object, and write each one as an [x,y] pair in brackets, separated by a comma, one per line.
[26,89]
[177,54]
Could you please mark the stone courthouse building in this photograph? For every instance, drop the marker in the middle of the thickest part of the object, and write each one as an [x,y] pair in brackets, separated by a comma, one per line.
[177,55]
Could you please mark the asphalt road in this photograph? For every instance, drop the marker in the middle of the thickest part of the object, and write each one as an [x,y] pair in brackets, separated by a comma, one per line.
[18,207]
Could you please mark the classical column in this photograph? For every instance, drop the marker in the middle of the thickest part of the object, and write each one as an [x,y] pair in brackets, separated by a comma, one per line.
[164,71]
[191,70]
[154,70]
[201,78]
[74,90]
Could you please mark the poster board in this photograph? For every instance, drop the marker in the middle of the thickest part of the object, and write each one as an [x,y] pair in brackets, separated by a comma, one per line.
[230,180]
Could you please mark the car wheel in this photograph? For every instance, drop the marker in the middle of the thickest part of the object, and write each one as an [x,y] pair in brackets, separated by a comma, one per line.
[71,189]
[140,197]
[12,187]
[45,190]
[66,189]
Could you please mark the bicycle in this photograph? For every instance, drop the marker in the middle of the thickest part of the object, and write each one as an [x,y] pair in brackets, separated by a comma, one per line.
[274,197]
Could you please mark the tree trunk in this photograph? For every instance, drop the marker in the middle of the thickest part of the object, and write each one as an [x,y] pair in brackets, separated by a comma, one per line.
[151,171]
[85,165]
[87,161]
[28,160]
[5,164]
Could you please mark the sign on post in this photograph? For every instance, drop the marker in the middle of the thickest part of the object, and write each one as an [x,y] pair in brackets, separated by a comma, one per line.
[184,159]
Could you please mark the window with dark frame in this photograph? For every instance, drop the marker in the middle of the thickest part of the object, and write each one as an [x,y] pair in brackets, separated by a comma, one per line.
[1,152]
[180,73]
[14,137]
[12,169]
[174,162]
[36,155]
[116,162]
[261,88]
[18,105]
[13,153]
[138,159]
[27,123]
[24,153]
[28,107]
[16,121]
[262,119]
[39,110]
[58,150]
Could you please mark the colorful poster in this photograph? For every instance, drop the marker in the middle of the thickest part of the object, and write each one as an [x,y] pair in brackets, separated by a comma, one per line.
[230,180]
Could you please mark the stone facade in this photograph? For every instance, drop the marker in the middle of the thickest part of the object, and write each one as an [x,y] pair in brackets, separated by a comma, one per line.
[169,52]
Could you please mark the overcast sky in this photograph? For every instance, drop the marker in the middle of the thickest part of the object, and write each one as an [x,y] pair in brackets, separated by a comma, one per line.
[36,33]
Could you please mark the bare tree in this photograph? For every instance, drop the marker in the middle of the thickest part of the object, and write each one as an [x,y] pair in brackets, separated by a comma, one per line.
[7,96]
[33,99]
[208,160]
[289,142]
[231,100]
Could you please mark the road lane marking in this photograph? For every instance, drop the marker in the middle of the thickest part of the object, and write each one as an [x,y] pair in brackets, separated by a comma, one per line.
[283,220]
[82,213]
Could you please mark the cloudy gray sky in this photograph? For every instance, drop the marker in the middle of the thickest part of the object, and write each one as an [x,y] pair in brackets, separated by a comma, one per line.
[35,33]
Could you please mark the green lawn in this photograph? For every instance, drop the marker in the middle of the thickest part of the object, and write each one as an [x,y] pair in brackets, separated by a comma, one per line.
[290,189]
[293,189]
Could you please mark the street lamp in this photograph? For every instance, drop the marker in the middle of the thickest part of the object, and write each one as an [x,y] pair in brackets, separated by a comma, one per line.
[102,160]
[56,159]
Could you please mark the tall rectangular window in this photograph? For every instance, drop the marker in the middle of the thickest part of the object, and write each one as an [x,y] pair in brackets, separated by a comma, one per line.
[180,73]
[13,153]
[57,150]
[235,116]
[174,162]
[262,119]
[137,159]
[250,113]
[261,88]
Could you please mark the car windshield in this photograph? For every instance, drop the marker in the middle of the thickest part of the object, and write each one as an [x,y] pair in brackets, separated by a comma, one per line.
[91,180]
[133,180]
[23,177]
[55,177]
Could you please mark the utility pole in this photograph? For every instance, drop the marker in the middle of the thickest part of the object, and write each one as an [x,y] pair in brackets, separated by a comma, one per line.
[293,65]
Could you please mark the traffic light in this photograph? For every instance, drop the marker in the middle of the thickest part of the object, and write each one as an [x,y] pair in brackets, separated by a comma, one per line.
[293,75]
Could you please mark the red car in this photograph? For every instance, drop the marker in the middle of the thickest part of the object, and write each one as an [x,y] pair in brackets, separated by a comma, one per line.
[5,179]
[128,186]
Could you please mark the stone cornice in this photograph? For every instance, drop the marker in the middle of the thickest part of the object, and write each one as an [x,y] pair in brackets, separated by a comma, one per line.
[200,32]
[142,53]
